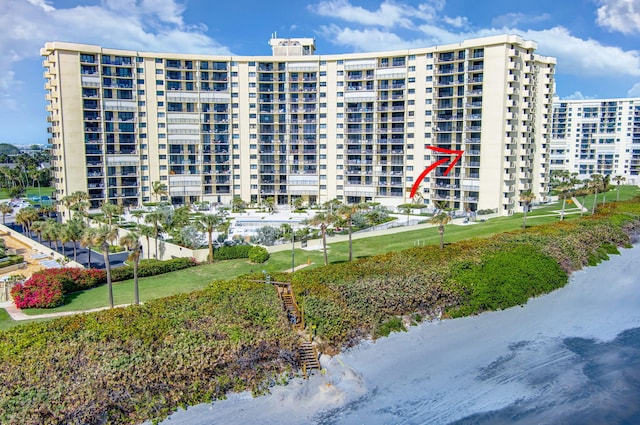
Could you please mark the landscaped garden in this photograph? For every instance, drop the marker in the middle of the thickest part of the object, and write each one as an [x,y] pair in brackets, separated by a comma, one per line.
[131,364]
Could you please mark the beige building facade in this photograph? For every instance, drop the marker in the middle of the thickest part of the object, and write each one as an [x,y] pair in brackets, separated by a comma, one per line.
[299,125]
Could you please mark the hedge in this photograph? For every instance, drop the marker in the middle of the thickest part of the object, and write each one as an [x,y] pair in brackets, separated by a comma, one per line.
[231,252]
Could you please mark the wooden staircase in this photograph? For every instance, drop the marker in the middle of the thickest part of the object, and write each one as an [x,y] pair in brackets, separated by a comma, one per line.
[309,358]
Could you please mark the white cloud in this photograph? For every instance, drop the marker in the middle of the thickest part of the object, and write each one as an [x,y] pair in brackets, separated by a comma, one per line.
[634,91]
[589,57]
[389,14]
[366,39]
[144,25]
[619,15]
[577,96]
[42,4]
[513,19]
[458,21]
[576,56]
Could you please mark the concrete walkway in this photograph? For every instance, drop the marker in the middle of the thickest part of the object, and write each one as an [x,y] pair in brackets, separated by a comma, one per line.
[17,314]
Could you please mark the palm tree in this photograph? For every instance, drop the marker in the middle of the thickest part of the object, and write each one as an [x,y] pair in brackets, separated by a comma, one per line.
[38,227]
[605,188]
[5,209]
[80,202]
[111,210]
[441,219]
[68,202]
[346,212]
[237,204]
[25,217]
[270,204]
[147,232]
[158,189]
[564,188]
[132,243]
[155,218]
[210,223]
[87,240]
[526,198]
[323,219]
[73,232]
[596,183]
[618,180]
[105,236]
[49,231]
[137,214]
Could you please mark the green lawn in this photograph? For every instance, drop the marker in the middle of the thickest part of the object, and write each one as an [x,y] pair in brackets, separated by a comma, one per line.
[192,279]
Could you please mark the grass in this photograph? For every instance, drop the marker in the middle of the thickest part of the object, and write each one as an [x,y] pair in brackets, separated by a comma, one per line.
[196,278]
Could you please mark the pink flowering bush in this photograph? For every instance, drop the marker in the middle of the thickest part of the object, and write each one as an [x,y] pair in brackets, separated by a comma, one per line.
[46,288]
[38,292]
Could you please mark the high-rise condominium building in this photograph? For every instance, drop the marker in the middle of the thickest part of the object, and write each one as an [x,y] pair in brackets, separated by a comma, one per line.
[295,124]
[597,136]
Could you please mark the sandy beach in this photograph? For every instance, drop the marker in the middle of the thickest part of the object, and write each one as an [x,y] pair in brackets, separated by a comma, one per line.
[564,357]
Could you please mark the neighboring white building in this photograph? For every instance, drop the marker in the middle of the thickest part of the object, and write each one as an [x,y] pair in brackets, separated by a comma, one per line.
[350,126]
[597,136]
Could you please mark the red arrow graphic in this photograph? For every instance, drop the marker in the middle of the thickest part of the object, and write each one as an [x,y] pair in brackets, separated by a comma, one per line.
[457,153]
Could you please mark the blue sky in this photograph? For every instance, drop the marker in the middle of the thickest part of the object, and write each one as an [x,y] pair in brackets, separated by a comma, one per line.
[596,42]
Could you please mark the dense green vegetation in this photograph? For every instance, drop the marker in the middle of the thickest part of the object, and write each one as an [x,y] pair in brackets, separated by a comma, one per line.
[127,365]
[141,362]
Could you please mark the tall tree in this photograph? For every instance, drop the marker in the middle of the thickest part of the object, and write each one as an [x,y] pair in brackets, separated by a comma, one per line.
[526,197]
[38,227]
[606,180]
[237,204]
[155,218]
[73,232]
[111,210]
[270,204]
[323,220]
[105,236]
[441,219]
[159,189]
[564,189]
[596,184]
[346,212]
[80,202]
[209,223]
[131,241]
[5,209]
[137,214]
[25,217]
[147,232]
[87,240]
[618,180]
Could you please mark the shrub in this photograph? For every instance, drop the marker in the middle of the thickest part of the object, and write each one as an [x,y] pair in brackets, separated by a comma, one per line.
[72,279]
[232,252]
[506,278]
[394,324]
[12,260]
[152,268]
[258,254]
[37,292]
